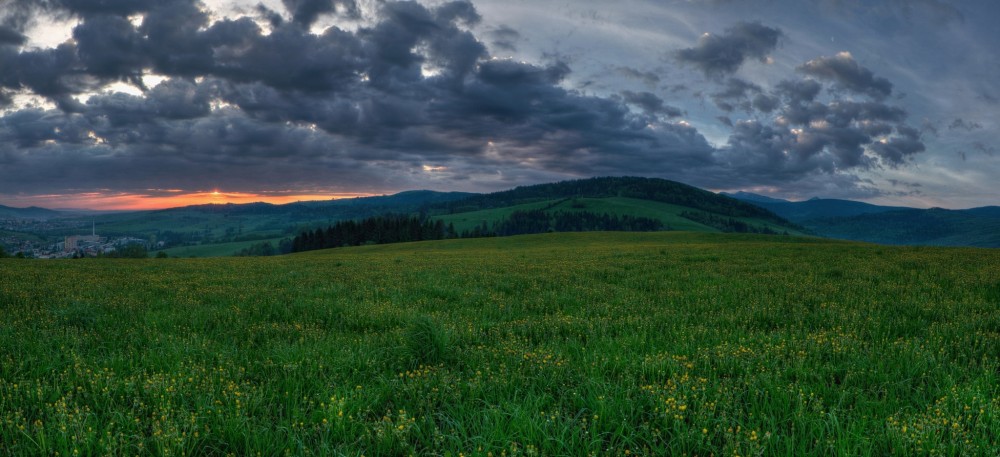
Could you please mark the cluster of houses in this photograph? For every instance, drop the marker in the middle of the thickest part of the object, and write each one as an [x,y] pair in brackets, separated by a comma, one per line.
[72,246]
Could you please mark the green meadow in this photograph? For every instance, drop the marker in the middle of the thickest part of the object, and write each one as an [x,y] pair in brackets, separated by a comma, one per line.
[216,249]
[552,345]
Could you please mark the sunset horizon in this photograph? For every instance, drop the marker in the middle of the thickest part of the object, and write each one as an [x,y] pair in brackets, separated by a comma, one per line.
[149,202]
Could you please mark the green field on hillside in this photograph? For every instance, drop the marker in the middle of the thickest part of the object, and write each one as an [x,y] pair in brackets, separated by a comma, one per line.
[617,206]
[668,214]
[558,344]
[217,249]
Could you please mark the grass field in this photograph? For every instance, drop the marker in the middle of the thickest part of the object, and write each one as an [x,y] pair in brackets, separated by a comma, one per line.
[559,344]
[216,249]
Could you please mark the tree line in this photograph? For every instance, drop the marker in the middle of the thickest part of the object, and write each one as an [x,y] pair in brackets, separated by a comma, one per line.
[401,229]
[373,230]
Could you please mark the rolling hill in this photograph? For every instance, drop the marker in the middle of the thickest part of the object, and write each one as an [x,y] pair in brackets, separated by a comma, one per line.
[675,205]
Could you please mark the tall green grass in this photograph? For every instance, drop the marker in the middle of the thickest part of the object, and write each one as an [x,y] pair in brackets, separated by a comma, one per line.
[560,344]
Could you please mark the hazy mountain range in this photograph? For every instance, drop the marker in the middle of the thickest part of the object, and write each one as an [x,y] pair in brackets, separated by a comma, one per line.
[851,220]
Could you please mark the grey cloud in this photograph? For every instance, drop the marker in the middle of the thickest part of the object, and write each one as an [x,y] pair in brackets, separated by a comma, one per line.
[110,47]
[290,59]
[717,55]
[305,12]
[896,150]
[898,183]
[9,36]
[807,136]
[505,38]
[766,103]
[797,92]
[52,73]
[117,7]
[846,72]
[736,94]
[174,42]
[983,148]
[647,77]
[650,103]
[462,11]
[174,99]
[961,124]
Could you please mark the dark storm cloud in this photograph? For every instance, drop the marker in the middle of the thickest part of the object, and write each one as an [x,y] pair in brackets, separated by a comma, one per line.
[110,47]
[718,55]
[412,90]
[9,36]
[53,73]
[847,73]
[305,12]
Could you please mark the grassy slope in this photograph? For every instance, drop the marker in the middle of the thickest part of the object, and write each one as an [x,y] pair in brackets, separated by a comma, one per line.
[558,344]
[217,249]
[667,213]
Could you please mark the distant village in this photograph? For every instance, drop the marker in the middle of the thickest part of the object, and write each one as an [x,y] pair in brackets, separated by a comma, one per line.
[74,246]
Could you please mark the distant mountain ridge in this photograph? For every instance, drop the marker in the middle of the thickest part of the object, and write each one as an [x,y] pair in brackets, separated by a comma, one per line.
[858,221]
[31,212]
[814,208]
[751,197]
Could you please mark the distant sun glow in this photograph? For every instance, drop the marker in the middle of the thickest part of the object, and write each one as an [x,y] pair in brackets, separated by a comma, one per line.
[160,199]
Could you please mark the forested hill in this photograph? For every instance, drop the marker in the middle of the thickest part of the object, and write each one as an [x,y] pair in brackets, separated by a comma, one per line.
[659,190]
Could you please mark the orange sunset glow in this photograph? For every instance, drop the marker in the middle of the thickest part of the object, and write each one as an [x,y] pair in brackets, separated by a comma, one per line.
[161,199]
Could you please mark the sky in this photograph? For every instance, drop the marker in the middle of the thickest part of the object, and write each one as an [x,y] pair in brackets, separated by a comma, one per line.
[132,104]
